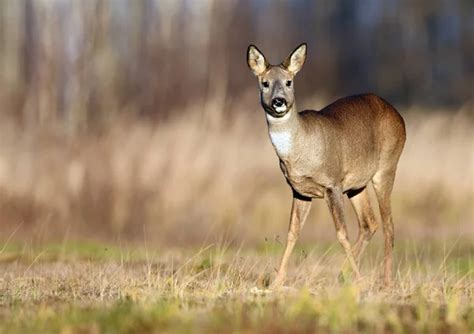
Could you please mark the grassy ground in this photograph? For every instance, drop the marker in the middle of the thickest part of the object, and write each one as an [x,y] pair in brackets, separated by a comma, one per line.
[78,287]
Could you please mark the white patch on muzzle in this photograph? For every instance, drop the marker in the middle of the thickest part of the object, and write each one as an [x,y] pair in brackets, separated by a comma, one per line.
[281,108]
[276,120]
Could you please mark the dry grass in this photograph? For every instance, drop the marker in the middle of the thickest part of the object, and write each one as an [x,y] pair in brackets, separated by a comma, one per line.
[77,287]
[209,177]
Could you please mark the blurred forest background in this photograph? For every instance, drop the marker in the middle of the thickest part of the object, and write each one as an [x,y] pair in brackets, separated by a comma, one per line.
[140,119]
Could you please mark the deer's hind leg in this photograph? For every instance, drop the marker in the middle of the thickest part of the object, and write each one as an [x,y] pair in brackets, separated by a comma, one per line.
[335,200]
[383,185]
[365,216]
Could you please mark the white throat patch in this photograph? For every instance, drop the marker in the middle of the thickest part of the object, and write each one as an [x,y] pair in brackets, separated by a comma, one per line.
[282,141]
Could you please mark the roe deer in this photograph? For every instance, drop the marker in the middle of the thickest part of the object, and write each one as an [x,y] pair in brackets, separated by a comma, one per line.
[331,152]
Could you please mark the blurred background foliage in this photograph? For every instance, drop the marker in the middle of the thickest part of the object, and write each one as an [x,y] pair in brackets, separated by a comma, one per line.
[82,63]
[138,118]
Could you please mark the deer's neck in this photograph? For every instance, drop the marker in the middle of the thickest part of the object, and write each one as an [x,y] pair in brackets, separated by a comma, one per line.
[283,132]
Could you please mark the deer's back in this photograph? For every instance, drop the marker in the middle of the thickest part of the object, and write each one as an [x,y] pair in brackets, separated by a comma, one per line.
[363,133]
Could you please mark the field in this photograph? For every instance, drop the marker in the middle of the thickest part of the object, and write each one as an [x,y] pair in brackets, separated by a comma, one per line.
[115,239]
[92,287]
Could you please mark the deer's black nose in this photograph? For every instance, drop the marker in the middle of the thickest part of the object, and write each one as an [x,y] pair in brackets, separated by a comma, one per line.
[278,102]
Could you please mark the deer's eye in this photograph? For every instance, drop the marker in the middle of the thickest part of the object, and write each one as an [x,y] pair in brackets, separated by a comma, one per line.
[265,84]
[288,83]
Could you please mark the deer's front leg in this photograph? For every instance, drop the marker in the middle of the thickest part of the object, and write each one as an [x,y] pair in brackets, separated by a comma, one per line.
[299,212]
[335,200]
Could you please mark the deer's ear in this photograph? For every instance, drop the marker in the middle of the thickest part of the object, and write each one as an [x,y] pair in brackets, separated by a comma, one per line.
[295,60]
[256,60]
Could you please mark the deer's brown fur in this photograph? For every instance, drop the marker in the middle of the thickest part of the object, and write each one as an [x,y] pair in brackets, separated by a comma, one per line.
[331,152]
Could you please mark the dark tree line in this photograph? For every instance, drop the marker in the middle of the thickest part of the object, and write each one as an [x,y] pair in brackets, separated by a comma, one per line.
[82,63]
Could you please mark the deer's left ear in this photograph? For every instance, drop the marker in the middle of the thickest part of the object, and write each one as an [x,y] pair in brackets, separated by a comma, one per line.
[296,59]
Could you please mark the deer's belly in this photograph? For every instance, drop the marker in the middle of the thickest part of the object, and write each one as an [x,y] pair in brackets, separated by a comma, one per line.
[307,186]
[304,183]
[357,180]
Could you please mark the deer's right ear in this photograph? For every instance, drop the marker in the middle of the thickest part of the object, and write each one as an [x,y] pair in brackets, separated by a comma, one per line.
[256,60]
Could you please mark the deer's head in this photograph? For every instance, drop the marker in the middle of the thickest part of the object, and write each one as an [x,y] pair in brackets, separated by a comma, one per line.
[277,93]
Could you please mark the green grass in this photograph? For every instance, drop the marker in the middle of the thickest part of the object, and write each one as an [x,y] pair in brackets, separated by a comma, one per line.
[86,287]
[71,251]
[301,312]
